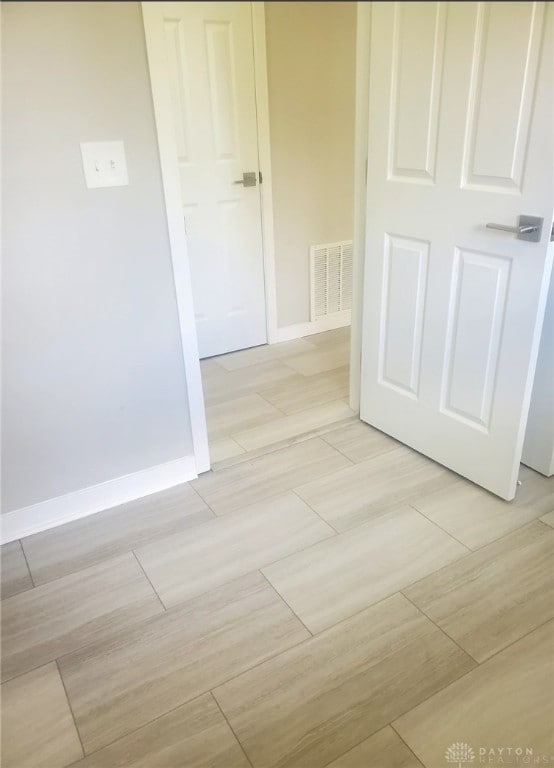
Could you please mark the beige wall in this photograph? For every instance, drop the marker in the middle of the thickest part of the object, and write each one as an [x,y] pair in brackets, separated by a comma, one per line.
[92,371]
[311,50]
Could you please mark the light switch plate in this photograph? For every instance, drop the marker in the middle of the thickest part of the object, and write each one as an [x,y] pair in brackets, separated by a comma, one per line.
[104,164]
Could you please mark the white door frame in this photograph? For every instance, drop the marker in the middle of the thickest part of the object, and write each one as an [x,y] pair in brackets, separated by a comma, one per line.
[175,221]
[363,40]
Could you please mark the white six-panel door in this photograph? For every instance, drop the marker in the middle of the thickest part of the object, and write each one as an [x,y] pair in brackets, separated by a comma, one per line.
[460,135]
[205,52]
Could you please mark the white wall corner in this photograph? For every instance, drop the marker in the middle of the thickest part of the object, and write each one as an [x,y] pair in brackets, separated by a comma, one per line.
[96,498]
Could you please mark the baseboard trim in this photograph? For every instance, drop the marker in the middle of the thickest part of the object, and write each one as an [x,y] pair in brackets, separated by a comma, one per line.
[329,323]
[72,506]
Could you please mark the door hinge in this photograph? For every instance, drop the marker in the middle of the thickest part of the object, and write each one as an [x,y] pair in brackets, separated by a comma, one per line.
[260,177]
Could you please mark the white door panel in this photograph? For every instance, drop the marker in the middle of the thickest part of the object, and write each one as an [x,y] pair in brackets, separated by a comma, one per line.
[209,64]
[460,135]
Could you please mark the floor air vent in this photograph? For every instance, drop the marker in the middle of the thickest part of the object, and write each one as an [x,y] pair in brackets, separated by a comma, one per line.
[330,279]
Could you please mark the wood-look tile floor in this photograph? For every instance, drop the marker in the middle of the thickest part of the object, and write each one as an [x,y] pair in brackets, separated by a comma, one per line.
[324,598]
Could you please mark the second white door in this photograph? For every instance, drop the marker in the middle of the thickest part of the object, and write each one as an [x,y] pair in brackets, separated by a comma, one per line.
[209,61]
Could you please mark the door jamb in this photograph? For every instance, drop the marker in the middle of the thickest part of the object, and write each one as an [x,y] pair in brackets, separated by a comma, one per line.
[363,41]
[175,223]
[177,239]
[264,160]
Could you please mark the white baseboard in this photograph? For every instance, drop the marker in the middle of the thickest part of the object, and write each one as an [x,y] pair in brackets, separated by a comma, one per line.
[72,506]
[329,323]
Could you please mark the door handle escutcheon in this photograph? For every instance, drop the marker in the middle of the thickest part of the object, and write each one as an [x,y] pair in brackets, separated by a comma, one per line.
[248,179]
[528,228]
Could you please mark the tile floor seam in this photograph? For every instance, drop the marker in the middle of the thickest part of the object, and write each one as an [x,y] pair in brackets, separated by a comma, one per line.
[322,632]
[492,655]
[70,708]
[478,665]
[239,742]
[258,501]
[28,671]
[81,568]
[215,434]
[450,535]
[202,499]
[248,573]
[315,513]
[471,551]
[267,450]
[301,437]
[323,437]
[281,411]
[148,580]
[72,573]
[462,557]
[175,607]
[140,727]
[147,619]
[406,744]
[355,746]
[280,596]
[528,524]
[441,629]
[27,564]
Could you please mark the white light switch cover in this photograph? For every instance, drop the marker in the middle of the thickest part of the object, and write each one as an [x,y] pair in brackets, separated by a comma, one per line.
[104,164]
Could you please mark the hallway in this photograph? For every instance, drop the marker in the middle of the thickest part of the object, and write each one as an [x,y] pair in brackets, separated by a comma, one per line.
[276,394]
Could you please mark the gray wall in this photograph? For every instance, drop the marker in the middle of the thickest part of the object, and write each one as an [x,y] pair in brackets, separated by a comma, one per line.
[93,379]
[311,50]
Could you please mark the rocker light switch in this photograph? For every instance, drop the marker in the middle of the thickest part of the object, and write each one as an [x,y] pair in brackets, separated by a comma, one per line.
[104,164]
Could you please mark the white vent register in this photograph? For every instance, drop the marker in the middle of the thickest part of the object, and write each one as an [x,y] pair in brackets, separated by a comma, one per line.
[330,279]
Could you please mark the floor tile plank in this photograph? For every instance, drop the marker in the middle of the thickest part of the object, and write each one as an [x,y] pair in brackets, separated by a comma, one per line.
[268,475]
[548,518]
[357,493]
[302,392]
[237,414]
[128,680]
[360,441]
[385,749]
[221,385]
[15,575]
[506,702]
[37,726]
[183,566]
[43,623]
[495,595]
[247,357]
[338,577]
[320,360]
[224,448]
[476,517]
[96,538]
[313,703]
[296,424]
[194,735]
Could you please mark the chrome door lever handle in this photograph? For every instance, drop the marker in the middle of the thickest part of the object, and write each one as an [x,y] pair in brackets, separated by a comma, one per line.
[506,228]
[528,228]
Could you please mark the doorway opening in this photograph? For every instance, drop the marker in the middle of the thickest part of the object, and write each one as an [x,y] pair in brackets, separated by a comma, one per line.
[262,114]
